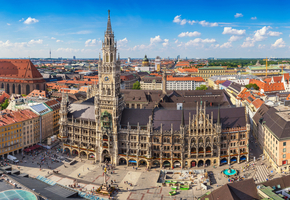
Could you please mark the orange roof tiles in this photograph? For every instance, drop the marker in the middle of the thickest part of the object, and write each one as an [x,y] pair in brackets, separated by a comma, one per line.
[19,68]
[257,103]
[37,93]
[10,117]
[220,81]
[186,78]
[184,70]
[4,96]
[268,87]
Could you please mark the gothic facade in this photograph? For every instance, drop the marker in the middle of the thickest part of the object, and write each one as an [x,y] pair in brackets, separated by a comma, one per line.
[102,129]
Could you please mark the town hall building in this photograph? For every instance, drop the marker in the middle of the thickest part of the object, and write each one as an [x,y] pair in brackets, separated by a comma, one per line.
[103,128]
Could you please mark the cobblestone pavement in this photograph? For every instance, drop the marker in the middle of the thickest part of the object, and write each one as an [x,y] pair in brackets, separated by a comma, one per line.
[90,175]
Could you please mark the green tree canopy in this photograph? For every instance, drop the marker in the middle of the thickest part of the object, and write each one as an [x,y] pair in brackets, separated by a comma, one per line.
[202,87]
[136,85]
[250,85]
[5,104]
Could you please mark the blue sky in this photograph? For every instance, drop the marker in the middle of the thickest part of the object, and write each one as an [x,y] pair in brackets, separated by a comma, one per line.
[193,29]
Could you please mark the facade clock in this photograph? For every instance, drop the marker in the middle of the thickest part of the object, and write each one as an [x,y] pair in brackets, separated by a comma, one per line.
[106,78]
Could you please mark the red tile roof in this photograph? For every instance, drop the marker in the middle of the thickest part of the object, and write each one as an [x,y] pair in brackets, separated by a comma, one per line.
[37,93]
[19,68]
[257,103]
[4,96]
[10,117]
[268,87]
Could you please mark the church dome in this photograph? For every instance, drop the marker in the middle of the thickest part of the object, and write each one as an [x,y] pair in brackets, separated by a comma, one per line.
[145,61]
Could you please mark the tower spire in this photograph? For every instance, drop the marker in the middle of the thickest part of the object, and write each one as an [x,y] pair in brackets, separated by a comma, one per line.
[109,27]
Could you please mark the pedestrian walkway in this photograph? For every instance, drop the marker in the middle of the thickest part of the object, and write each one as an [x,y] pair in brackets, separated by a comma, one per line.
[261,174]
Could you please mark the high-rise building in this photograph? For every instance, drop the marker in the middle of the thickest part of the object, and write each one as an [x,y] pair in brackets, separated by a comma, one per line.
[129,60]
[74,57]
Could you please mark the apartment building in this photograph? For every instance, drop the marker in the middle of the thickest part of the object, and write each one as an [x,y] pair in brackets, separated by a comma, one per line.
[184,83]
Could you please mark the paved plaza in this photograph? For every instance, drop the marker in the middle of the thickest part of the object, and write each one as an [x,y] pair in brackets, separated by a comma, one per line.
[142,184]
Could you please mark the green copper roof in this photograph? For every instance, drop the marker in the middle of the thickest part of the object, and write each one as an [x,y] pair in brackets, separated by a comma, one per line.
[263,67]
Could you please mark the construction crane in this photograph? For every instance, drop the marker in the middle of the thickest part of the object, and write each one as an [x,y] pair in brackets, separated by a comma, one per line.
[266,66]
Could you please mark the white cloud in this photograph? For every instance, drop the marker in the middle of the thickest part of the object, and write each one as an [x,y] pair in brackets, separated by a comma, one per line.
[176,41]
[123,42]
[92,42]
[260,35]
[238,15]
[67,50]
[199,41]
[21,19]
[253,18]
[156,39]
[261,46]
[231,31]
[279,43]
[8,24]
[234,38]
[226,45]
[53,38]
[59,40]
[191,22]
[35,41]
[165,43]
[183,22]
[205,23]
[273,33]
[189,34]
[177,19]
[30,20]
[249,42]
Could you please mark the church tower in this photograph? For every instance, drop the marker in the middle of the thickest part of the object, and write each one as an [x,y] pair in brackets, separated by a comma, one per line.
[109,101]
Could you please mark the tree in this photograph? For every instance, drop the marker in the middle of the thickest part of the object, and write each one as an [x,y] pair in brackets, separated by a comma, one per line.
[136,85]
[5,104]
[250,85]
[202,87]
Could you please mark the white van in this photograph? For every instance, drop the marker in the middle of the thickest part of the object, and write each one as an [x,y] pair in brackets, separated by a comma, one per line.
[12,158]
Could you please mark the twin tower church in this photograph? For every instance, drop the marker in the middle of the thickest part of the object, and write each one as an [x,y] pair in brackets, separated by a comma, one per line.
[104,129]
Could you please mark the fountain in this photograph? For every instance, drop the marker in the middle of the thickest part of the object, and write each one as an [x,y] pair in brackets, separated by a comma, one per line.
[230,172]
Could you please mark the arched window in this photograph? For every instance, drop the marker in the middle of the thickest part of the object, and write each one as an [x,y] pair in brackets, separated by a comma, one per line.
[2,85]
[37,86]
[107,57]
[19,89]
[13,89]
[27,89]
[110,41]
[107,41]
[109,91]
[8,88]
[111,58]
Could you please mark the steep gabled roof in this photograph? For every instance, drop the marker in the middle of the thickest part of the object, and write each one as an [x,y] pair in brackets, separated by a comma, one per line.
[18,68]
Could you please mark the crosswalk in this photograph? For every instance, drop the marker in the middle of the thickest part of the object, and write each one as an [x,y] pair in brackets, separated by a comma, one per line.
[261,174]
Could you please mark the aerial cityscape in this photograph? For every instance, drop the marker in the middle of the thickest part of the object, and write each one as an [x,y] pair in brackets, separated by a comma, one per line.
[190,106]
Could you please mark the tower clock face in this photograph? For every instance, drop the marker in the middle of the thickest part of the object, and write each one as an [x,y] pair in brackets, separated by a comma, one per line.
[106,78]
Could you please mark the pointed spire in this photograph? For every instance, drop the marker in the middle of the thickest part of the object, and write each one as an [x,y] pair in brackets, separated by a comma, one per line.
[109,27]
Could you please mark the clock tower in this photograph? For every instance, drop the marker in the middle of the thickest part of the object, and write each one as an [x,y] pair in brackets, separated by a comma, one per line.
[109,101]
